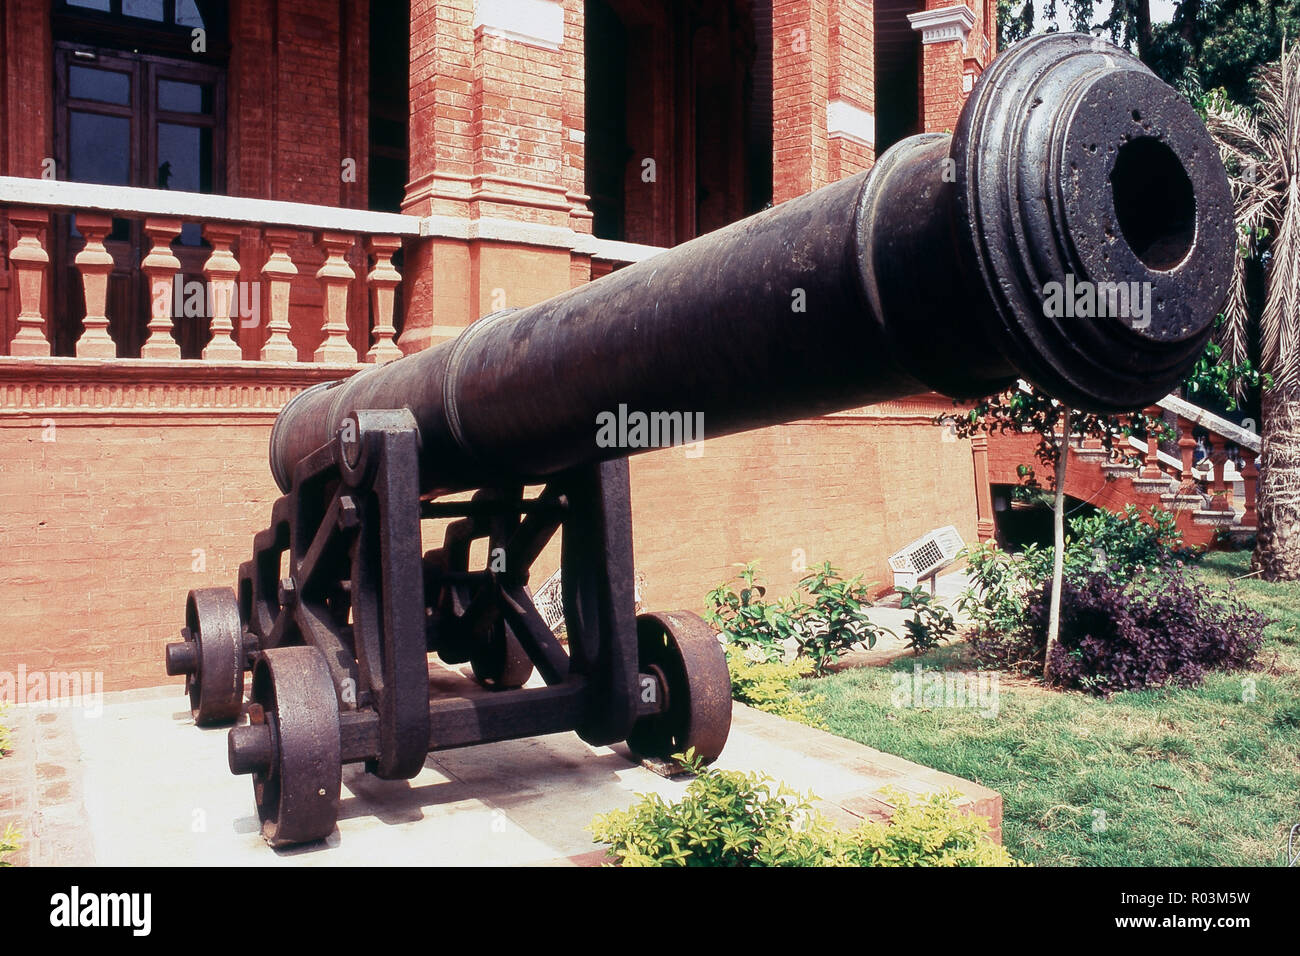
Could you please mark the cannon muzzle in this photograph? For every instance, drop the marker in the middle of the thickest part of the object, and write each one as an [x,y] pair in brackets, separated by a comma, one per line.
[1076,231]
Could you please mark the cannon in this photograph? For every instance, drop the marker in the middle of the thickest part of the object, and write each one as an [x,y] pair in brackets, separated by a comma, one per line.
[1071,164]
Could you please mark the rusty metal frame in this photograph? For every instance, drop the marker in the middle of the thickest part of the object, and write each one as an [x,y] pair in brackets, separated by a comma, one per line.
[359,590]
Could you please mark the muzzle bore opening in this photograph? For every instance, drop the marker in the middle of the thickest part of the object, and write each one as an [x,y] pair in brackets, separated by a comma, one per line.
[1154,203]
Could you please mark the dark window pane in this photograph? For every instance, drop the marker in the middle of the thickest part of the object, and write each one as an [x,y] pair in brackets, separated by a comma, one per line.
[144,9]
[187,14]
[177,97]
[99,148]
[103,86]
[184,158]
[91,4]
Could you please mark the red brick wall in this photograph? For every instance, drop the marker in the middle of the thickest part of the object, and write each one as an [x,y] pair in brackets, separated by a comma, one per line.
[108,525]
[849,490]
[101,528]
[120,490]
[26,87]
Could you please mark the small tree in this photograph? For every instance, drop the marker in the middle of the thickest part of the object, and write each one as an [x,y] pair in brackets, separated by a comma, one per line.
[1028,409]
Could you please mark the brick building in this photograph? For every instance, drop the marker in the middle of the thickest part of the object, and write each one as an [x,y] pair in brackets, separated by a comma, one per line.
[208,206]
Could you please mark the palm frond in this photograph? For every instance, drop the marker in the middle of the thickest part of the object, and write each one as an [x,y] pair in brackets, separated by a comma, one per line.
[1261,150]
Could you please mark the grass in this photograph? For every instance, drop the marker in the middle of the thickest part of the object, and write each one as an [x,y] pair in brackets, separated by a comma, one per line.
[1168,777]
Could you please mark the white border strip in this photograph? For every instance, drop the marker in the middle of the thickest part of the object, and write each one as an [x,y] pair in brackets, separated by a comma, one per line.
[850,121]
[537,22]
[90,197]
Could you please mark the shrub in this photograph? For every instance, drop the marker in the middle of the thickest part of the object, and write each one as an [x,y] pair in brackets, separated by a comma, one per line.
[930,623]
[768,686]
[930,832]
[1120,544]
[9,843]
[1158,629]
[745,619]
[728,818]
[4,732]
[834,621]
[1120,548]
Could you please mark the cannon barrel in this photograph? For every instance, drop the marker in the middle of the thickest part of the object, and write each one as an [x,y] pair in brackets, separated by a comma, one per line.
[1075,230]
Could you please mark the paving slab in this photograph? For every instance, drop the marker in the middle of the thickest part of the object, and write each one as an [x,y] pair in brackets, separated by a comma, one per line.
[138,784]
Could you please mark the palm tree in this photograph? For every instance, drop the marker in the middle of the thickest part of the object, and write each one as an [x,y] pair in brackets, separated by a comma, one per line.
[1261,148]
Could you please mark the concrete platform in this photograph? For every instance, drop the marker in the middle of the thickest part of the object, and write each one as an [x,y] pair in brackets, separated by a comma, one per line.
[138,784]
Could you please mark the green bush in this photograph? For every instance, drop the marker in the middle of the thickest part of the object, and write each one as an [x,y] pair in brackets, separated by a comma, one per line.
[836,621]
[768,686]
[746,619]
[833,620]
[1120,547]
[929,832]
[728,818]
[930,623]
[1120,544]
[9,843]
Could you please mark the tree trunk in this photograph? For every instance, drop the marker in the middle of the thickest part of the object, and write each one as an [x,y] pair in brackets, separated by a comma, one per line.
[1277,543]
[1058,543]
[1142,22]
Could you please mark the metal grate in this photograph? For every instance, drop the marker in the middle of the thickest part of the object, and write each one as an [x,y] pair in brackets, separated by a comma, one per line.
[549,601]
[926,557]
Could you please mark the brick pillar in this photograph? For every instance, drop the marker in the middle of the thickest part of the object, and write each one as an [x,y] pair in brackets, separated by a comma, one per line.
[574,139]
[851,89]
[800,94]
[441,159]
[946,32]
[26,125]
[488,159]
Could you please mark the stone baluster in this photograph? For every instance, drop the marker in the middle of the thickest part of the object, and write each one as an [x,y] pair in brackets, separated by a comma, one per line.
[161,267]
[1151,460]
[335,276]
[1186,451]
[384,279]
[1249,478]
[222,272]
[94,263]
[30,261]
[1220,495]
[985,523]
[279,271]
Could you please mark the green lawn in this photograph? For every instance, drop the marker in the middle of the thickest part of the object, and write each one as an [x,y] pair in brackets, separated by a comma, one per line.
[1152,778]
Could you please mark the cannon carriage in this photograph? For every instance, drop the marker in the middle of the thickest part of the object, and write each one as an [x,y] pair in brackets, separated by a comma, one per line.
[925,273]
